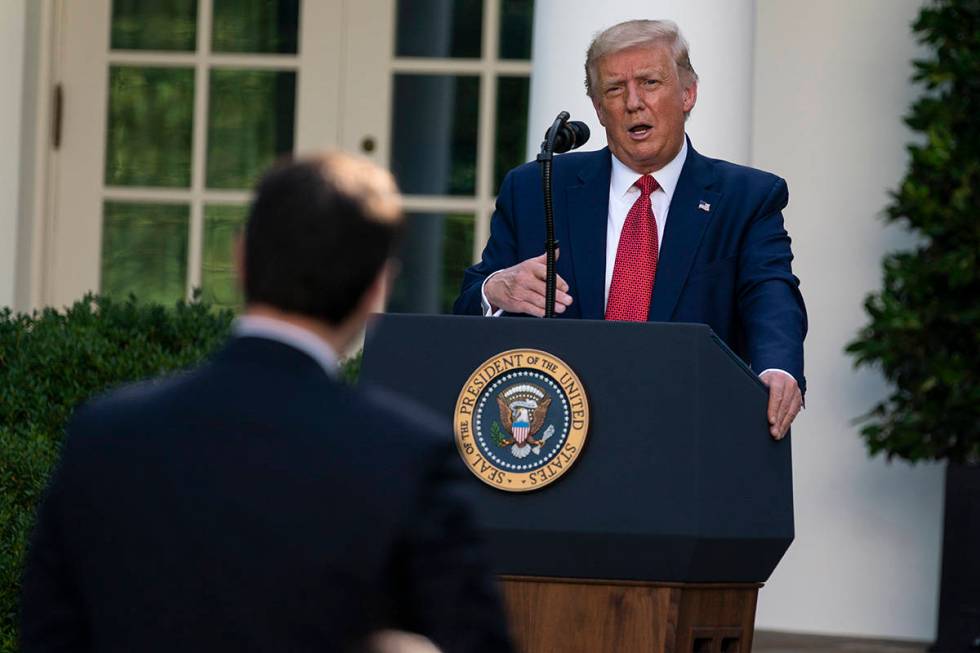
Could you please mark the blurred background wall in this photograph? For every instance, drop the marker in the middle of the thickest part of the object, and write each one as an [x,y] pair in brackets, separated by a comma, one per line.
[831,85]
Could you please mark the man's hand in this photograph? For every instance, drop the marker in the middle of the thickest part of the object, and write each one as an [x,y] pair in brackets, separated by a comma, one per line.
[400,641]
[520,289]
[785,401]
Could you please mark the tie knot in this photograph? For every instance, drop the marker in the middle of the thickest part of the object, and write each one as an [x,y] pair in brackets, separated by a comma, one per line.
[646,184]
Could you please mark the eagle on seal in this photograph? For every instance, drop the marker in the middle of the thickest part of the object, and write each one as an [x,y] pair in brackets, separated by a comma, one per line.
[523,409]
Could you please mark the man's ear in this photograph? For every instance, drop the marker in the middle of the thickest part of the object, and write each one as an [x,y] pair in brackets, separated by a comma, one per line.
[690,96]
[239,256]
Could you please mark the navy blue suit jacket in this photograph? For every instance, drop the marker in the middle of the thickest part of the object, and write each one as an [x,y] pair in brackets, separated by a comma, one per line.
[255,504]
[727,267]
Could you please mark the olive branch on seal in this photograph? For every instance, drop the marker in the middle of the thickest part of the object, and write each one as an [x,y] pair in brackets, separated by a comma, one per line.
[496,434]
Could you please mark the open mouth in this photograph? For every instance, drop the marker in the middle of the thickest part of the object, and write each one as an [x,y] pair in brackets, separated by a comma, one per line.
[639,131]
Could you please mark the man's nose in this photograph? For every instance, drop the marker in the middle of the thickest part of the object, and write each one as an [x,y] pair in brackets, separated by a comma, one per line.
[633,101]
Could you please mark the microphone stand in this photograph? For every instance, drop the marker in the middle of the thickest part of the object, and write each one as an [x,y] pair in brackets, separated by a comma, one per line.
[545,158]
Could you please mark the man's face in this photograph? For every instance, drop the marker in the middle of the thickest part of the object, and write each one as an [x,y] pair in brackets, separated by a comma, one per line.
[641,102]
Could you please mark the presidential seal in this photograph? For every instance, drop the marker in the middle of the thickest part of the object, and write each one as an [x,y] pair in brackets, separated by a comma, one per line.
[521,420]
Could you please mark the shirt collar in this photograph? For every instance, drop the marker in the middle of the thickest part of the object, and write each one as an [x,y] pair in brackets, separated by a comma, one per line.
[270,328]
[623,178]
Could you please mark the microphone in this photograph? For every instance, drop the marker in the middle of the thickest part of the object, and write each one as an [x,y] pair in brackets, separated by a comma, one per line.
[562,136]
[570,135]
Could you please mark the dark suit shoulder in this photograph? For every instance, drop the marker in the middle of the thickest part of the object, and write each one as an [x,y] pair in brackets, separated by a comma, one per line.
[747,186]
[731,174]
[131,400]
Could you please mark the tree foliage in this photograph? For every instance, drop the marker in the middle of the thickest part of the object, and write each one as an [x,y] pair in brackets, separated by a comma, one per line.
[924,326]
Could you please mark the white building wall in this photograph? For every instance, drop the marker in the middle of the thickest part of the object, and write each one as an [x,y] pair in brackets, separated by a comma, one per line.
[813,91]
[12,30]
[832,82]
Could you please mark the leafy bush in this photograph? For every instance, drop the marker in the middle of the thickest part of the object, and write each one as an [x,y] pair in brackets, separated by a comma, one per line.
[50,362]
[924,330]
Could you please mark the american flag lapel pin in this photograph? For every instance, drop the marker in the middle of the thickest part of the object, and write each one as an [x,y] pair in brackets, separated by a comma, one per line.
[704,206]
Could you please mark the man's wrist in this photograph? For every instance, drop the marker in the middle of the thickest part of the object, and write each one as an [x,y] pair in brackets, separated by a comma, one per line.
[488,308]
[776,369]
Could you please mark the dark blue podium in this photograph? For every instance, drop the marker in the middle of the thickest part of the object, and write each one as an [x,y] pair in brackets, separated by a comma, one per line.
[676,511]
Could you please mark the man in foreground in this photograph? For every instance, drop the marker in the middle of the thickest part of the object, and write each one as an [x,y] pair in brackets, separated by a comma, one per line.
[258,503]
[721,259]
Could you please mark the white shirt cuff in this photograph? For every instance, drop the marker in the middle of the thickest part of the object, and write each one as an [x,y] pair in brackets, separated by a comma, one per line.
[776,369]
[487,308]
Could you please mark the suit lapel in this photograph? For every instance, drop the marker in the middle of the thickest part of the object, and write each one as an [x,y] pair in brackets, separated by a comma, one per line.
[587,203]
[686,224]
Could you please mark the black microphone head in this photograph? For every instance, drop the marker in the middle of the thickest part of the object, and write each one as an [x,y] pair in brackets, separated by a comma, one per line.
[582,132]
[571,135]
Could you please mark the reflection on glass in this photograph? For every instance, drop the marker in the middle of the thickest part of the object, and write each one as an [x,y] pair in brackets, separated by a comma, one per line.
[437,248]
[150,126]
[512,105]
[255,26]
[144,250]
[222,224]
[516,20]
[250,123]
[154,25]
[441,158]
[439,28]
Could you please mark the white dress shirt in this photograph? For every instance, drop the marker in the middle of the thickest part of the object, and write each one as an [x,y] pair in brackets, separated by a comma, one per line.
[623,194]
[260,326]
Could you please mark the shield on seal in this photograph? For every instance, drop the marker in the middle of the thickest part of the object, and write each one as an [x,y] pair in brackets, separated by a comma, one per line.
[521,430]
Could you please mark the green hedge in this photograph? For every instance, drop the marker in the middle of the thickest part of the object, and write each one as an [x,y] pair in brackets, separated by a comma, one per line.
[51,361]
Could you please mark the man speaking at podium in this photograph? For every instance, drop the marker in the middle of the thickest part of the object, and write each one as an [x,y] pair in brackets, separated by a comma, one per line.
[649,229]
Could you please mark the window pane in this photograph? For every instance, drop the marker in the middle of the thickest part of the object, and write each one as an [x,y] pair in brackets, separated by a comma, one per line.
[154,25]
[219,284]
[434,133]
[150,126]
[439,28]
[144,250]
[512,107]
[250,123]
[516,20]
[255,26]
[436,250]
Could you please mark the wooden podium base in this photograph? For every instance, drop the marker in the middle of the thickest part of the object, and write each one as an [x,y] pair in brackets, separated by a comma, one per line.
[551,615]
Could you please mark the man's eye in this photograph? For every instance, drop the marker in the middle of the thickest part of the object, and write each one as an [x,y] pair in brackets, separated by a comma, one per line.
[651,82]
[614,90]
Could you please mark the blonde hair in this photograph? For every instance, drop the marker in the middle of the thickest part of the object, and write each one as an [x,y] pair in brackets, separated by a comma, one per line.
[634,33]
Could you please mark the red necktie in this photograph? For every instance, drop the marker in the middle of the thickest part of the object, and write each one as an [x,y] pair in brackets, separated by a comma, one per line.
[636,259]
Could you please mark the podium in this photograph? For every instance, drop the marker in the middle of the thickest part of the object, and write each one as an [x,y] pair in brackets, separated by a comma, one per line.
[677,509]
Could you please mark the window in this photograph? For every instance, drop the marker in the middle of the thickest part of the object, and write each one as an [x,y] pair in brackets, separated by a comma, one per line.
[460,82]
